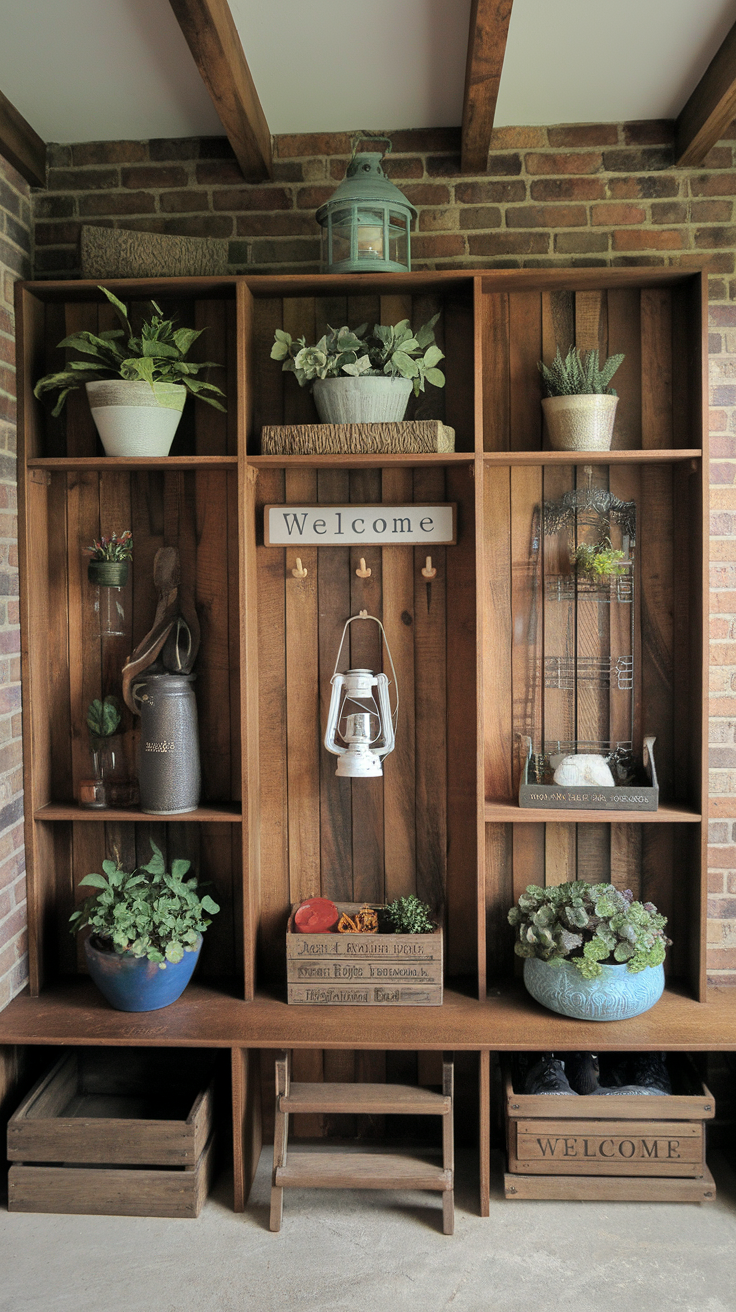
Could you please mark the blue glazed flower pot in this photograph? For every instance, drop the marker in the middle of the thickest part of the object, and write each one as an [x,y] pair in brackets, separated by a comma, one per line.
[616,994]
[136,984]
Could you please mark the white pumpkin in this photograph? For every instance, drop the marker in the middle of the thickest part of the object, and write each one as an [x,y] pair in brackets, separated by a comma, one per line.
[582,771]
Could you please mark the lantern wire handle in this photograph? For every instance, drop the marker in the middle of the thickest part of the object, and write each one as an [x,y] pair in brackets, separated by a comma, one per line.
[364,616]
[368,136]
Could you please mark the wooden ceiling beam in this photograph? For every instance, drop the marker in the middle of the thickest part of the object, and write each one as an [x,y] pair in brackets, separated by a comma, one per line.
[710,109]
[489,25]
[20,145]
[213,39]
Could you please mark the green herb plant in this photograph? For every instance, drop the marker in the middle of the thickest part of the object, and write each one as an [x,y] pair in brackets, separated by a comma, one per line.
[393,350]
[408,915]
[589,924]
[156,356]
[599,561]
[103,718]
[112,548]
[579,373]
[147,912]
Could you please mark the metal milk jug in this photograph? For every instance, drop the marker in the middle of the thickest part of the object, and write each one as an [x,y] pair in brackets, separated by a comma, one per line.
[169,773]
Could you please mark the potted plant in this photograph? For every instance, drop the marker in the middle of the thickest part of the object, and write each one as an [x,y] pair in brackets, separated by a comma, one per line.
[136,385]
[109,560]
[147,926]
[580,406]
[103,720]
[590,951]
[361,377]
[598,562]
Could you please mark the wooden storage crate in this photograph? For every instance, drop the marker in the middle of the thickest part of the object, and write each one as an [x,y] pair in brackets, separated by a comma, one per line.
[114,1132]
[363,970]
[648,1149]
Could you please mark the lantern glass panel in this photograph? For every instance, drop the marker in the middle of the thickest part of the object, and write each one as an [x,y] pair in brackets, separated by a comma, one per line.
[341,233]
[370,235]
[398,250]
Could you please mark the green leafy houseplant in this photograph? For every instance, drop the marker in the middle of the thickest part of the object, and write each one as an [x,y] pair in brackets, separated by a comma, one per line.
[395,351]
[408,915]
[598,561]
[588,924]
[146,912]
[113,548]
[103,718]
[579,373]
[156,356]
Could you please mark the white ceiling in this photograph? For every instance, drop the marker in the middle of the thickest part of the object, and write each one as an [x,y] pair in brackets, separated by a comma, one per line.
[94,70]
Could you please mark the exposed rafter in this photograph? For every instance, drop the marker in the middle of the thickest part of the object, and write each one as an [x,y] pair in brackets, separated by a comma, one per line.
[20,145]
[489,25]
[710,108]
[213,39]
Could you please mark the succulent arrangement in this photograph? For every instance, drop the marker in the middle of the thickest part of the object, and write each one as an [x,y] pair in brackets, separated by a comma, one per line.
[393,350]
[579,373]
[589,925]
[407,915]
[598,561]
[157,355]
[147,912]
[103,718]
[112,548]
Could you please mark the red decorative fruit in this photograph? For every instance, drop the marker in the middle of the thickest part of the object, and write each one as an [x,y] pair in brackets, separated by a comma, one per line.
[316,916]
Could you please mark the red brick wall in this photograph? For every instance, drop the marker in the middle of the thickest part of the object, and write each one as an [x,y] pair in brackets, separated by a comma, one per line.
[578,195]
[15,245]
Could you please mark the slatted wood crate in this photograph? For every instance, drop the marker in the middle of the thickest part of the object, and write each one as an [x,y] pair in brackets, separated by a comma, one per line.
[627,1147]
[113,1133]
[363,970]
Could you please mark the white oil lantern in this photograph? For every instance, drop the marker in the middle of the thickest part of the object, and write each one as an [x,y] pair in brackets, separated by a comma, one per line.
[360,715]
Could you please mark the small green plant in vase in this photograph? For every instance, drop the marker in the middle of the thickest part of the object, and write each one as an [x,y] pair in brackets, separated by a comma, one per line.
[407,915]
[599,562]
[147,926]
[145,375]
[106,787]
[362,376]
[580,405]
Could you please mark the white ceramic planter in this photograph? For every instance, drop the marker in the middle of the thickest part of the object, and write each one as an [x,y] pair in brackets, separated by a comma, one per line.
[135,419]
[364,400]
[580,423]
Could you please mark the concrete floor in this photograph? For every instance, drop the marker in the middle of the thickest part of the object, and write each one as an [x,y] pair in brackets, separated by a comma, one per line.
[371,1252]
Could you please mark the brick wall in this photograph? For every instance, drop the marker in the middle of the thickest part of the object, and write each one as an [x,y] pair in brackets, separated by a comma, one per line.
[577,195]
[15,246]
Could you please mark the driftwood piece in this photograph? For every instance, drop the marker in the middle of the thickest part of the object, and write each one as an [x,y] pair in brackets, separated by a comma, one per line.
[412,436]
[119,253]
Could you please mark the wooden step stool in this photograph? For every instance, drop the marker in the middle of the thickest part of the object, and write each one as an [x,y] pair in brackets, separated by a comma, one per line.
[346,1170]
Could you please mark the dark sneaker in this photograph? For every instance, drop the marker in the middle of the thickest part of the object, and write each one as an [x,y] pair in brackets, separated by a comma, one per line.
[547,1076]
[649,1070]
[581,1069]
[631,1088]
[614,1070]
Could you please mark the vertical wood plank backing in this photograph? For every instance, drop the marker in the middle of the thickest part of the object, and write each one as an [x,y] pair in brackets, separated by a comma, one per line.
[458,370]
[307,1066]
[239,559]
[212,594]
[430,693]
[366,653]
[594,853]
[115,516]
[657,606]
[210,425]
[272,736]
[624,335]
[81,434]
[268,386]
[222,953]
[496,370]
[500,895]
[626,857]
[247,1126]
[560,854]
[658,878]
[338,1066]
[430,404]
[462,865]
[656,367]
[497,635]
[302,703]
[52,764]
[559,636]
[624,482]
[528,844]
[399,810]
[333,564]
[525,380]
[527,602]
[243,642]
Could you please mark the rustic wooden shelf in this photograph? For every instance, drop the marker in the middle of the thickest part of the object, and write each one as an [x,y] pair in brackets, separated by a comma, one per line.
[376,460]
[370,1099]
[225,812]
[366,1170]
[635,456]
[512,813]
[113,464]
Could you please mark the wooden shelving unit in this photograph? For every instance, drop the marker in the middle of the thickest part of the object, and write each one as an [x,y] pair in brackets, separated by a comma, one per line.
[275,824]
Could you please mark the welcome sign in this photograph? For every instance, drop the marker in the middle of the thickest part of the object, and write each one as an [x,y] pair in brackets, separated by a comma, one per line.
[353,525]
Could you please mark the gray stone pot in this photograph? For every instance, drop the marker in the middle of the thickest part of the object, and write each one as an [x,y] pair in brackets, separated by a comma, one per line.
[363,400]
[168,771]
[135,419]
[580,423]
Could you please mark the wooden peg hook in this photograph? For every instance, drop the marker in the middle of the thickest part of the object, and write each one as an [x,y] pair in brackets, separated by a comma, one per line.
[362,571]
[428,572]
[300,572]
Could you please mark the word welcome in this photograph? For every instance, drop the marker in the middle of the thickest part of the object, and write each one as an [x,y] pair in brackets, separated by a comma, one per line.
[324,526]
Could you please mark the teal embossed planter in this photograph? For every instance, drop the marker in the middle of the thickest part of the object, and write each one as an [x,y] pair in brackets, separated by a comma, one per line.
[616,994]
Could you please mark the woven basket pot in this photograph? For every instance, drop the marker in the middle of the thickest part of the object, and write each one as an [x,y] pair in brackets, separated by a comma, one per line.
[134,418]
[580,423]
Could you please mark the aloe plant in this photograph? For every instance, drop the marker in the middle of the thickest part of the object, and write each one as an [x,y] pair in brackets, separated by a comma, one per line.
[580,373]
[391,349]
[156,356]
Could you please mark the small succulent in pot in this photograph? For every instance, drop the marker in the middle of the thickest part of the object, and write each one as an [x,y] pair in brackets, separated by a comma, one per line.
[407,915]
[579,373]
[109,559]
[590,925]
[580,405]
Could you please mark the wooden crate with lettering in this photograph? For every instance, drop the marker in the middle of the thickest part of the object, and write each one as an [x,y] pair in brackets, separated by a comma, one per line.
[364,970]
[625,1147]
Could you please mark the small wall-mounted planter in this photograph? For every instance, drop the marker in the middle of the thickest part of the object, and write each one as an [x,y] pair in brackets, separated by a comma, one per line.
[622,797]
[108,573]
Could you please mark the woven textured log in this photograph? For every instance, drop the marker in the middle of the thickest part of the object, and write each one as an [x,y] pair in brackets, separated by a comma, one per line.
[118,253]
[411,437]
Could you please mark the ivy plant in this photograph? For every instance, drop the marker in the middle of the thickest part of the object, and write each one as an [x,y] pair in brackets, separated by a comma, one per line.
[148,912]
[157,355]
[391,349]
[590,924]
[580,373]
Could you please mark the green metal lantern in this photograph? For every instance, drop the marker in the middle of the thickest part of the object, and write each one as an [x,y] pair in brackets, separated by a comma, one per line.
[366,224]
